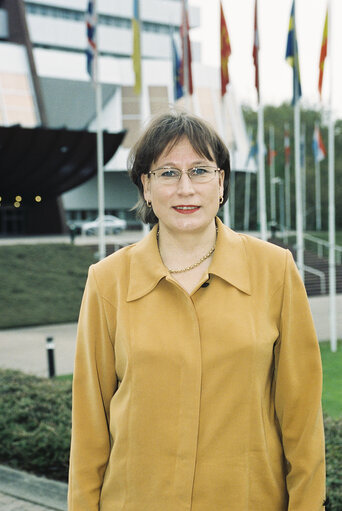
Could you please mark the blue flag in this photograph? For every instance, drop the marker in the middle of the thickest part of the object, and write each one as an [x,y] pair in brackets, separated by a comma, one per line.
[177,87]
[292,56]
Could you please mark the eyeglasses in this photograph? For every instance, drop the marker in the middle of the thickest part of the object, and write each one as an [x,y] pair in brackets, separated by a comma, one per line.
[197,175]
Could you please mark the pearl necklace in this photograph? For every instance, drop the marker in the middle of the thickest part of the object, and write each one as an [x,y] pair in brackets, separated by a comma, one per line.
[192,266]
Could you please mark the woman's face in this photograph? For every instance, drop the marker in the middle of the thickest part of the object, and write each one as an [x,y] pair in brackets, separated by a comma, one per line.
[184,205]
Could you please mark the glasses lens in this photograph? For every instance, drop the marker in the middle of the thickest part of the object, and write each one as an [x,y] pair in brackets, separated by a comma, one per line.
[167,175]
[202,174]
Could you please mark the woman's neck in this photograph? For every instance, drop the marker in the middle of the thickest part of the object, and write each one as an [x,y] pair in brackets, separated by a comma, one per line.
[181,249]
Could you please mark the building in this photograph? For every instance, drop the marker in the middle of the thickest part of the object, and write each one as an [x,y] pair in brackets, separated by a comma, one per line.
[43,81]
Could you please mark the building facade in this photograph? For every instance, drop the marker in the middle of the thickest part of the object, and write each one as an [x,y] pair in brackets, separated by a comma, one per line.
[54,89]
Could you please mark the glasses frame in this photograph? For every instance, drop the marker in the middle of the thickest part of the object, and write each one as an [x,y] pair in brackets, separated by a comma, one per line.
[186,171]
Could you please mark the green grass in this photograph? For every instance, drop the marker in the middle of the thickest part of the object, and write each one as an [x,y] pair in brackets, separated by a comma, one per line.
[332,379]
[42,284]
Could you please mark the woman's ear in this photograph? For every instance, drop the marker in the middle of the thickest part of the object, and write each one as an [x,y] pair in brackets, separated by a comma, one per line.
[145,180]
[221,182]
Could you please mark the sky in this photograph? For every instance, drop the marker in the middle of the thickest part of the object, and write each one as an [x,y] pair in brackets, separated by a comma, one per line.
[275,72]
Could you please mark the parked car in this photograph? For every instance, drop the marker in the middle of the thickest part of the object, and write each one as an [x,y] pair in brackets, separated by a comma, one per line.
[112,225]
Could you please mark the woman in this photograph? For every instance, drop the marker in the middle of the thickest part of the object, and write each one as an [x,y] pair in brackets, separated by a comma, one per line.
[197,379]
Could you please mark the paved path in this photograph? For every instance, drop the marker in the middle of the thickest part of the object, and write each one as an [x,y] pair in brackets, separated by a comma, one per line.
[20,491]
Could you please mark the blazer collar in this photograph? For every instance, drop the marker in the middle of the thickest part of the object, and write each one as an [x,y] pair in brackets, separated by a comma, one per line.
[229,263]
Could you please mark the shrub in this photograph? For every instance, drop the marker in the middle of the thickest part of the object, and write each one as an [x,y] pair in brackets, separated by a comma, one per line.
[333,442]
[35,423]
[35,426]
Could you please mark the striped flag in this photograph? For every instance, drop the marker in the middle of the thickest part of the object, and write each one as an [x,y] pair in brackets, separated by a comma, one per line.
[91,29]
[225,52]
[292,56]
[177,87]
[323,55]
[256,47]
[318,145]
[136,47]
[287,147]
[186,52]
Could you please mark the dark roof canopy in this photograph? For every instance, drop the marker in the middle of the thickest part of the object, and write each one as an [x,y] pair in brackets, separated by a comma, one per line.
[49,162]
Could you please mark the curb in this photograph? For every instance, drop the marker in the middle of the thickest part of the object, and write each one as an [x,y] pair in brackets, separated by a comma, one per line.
[34,489]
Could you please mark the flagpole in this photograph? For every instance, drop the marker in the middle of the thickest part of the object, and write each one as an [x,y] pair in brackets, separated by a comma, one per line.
[331,186]
[287,180]
[186,56]
[303,162]
[247,189]
[261,136]
[298,178]
[99,139]
[272,174]
[318,187]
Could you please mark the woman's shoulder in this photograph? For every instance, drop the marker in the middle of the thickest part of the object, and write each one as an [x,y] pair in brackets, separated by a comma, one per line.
[114,267]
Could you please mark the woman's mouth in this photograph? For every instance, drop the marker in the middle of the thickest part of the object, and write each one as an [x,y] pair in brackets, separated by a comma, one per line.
[186,210]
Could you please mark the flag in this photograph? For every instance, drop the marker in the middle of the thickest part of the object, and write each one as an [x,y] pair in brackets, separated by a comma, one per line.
[225,52]
[323,54]
[186,53]
[271,155]
[136,47]
[318,145]
[292,56]
[177,87]
[287,147]
[91,48]
[253,152]
[256,47]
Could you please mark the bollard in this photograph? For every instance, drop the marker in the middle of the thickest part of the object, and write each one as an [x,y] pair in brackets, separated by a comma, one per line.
[50,349]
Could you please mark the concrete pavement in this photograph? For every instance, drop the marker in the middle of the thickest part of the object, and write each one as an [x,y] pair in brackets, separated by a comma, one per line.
[20,491]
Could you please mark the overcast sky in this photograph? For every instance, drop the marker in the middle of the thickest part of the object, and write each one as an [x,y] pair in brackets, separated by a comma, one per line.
[275,73]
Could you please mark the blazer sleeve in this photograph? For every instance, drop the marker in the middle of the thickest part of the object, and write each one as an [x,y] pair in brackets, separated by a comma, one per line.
[94,384]
[298,374]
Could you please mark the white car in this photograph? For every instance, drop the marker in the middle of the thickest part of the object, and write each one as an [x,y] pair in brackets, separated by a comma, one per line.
[112,225]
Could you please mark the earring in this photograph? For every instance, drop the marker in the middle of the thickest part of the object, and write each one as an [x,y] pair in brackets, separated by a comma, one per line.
[149,204]
[221,200]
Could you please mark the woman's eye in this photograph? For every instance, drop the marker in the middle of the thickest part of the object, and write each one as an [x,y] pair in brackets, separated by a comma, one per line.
[199,171]
[169,173]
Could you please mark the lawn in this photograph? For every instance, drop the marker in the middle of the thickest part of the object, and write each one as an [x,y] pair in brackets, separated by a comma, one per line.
[332,380]
[42,284]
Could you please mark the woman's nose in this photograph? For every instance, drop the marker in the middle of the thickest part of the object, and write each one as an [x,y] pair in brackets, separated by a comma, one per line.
[185,184]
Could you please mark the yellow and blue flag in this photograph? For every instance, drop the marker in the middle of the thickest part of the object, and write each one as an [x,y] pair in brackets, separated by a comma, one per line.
[136,47]
[292,56]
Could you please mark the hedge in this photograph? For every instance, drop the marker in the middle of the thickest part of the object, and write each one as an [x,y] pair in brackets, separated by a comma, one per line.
[35,425]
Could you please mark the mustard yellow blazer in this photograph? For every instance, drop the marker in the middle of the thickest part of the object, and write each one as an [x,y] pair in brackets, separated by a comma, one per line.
[201,402]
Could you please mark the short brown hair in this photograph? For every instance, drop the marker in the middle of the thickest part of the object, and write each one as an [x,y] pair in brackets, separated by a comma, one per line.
[165,131]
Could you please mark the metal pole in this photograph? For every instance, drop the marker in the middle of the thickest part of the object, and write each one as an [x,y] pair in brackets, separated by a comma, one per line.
[331,186]
[281,203]
[50,350]
[272,174]
[232,198]
[247,201]
[261,173]
[303,147]
[299,206]
[99,138]
[287,177]
[318,191]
